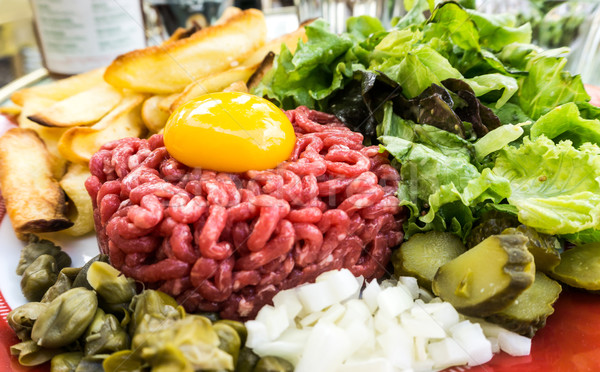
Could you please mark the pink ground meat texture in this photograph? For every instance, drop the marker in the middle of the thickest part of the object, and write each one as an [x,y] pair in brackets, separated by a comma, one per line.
[229,242]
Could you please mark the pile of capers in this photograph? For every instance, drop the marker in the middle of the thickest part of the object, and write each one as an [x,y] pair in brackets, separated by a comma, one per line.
[92,319]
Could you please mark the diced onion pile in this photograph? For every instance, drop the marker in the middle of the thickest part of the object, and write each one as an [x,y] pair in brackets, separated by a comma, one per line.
[330,325]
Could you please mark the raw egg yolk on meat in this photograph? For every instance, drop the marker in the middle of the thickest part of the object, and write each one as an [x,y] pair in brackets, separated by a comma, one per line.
[229,132]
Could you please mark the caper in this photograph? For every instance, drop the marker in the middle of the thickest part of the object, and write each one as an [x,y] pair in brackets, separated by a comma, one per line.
[112,286]
[36,248]
[105,335]
[273,364]
[81,279]
[62,284]
[193,335]
[239,327]
[65,319]
[22,318]
[71,272]
[38,277]
[247,360]
[123,361]
[229,340]
[152,305]
[92,363]
[65,362]
[170,359]
[31,354]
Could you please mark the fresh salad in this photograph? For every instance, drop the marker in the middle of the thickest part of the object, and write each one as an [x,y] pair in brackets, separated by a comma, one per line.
[497,149]
[491,136]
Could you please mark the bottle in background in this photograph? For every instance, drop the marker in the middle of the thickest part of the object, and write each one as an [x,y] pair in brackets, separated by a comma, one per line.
[77,36]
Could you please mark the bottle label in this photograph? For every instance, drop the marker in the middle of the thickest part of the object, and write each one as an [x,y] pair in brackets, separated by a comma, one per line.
[78,36]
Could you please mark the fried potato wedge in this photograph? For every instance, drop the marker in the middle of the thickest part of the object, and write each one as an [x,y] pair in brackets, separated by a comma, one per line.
[171,67]
[50,136]
[78,144]
[83,108]
[213,83]
[290,40]
[228,14]
[60,89]
[79,209]
[265,66]
[11,110]
[237,86]
[153,116]
[34,200]
[165,103]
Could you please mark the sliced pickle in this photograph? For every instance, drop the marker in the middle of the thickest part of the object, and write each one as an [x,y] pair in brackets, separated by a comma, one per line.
[423,254]
[529,311]
[544,248]
[488,277]
[580,267]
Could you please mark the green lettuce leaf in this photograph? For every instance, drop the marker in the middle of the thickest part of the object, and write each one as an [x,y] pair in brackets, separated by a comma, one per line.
[498,30]
[483,84]
[565,123]
[555,187]
[317,69]
[547,86]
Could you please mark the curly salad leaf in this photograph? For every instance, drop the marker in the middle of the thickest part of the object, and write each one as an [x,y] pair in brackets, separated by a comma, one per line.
[438,92]
[555,187]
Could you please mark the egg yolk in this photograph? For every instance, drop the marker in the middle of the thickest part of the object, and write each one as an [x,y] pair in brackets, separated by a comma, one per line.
[229,132]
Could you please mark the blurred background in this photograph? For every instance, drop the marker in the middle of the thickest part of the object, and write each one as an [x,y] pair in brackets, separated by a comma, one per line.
[574,24]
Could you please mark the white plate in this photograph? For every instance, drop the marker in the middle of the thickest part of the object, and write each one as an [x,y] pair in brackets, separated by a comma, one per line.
[80,249]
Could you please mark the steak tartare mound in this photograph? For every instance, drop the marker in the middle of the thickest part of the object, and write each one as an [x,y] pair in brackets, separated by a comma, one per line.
[228,242]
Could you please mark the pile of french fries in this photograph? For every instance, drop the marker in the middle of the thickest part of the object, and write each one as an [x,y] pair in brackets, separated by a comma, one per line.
[44,162]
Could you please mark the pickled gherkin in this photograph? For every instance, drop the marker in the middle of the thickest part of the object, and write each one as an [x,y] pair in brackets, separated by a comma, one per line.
[488,277]
[423,254]
[580,267]
[239,327]
[544,248]
[491,223]
[39,277]
[528,312]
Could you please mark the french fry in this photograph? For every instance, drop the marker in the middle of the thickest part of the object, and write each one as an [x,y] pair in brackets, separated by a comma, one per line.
[290,40]
[34,200]
[153,116]
[171,67]
[80,209]
[83,108]
[78,144]
[60,89]
[213,83]
[50,136]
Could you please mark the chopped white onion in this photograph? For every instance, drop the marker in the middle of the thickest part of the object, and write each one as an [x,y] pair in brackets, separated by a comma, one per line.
[513,343]
[331,326]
